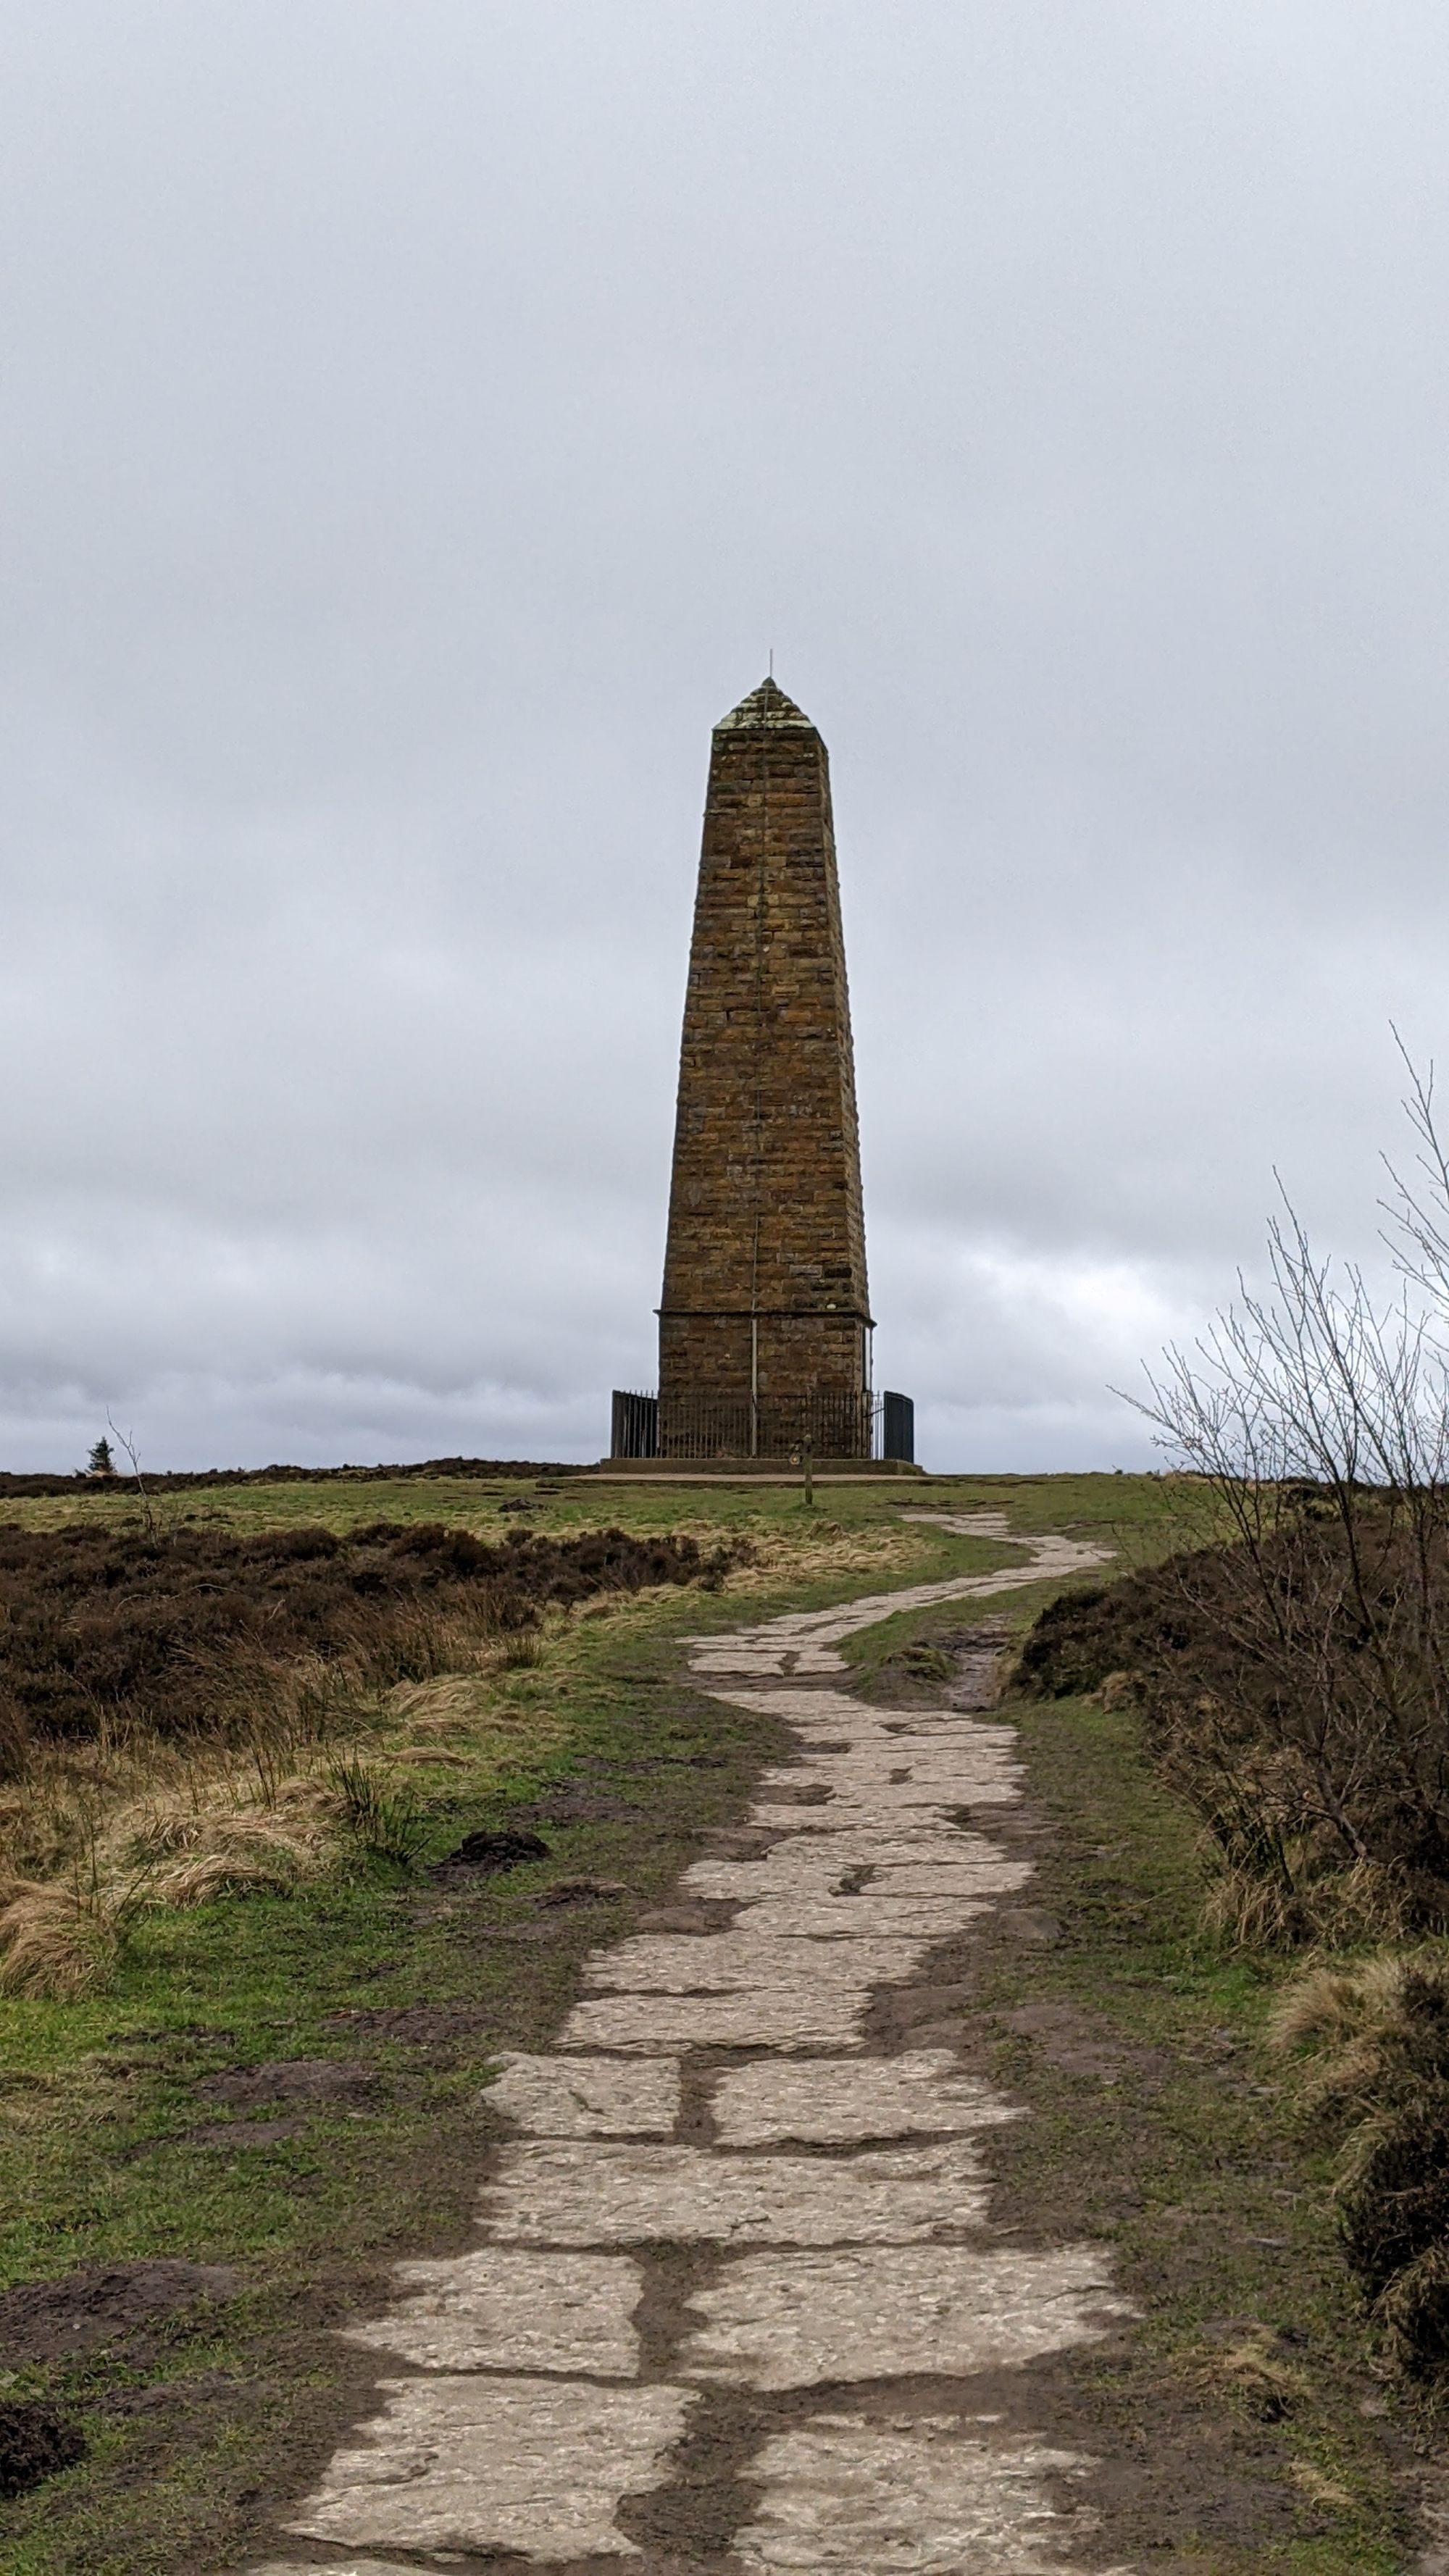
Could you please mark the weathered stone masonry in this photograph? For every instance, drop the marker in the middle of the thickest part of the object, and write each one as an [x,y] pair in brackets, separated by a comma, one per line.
[765,1304]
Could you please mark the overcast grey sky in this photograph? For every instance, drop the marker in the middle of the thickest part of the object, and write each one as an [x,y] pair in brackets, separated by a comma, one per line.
[420,420]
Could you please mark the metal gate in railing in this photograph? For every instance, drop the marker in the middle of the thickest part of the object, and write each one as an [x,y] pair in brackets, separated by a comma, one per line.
[634,1432]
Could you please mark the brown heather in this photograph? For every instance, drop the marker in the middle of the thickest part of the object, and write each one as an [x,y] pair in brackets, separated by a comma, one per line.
[183,1632]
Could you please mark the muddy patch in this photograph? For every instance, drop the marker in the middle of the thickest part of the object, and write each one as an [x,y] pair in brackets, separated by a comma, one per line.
[1067,2040]
[484,1855]
[578,1806]
[45,2321]
[231,2134]
[318,2080]
[35,2444]
[582,1891]
[444,2033]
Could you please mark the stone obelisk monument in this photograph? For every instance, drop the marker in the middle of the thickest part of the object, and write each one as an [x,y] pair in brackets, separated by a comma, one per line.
[765,1324]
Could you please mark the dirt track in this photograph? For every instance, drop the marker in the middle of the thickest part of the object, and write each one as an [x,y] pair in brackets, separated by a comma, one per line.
[738,2302]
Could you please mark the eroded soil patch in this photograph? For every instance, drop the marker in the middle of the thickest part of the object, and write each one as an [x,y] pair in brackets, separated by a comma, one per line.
[45,2321]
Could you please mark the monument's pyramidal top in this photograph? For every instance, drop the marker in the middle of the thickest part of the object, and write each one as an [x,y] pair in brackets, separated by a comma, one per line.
[765,710]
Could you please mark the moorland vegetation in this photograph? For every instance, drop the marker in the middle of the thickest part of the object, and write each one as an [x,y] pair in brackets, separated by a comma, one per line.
[1292,1676]
[189,1710]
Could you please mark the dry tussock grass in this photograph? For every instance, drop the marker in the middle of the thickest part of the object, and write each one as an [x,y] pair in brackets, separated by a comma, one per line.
[1267,2385]
[215,1837]
[93,1835]
[443,1707]
[1303,1904]
[463,1710]
[1369,2032]
[173,1844]
[53,1940]
[1372,2042]
[814,1554]
[302,1760]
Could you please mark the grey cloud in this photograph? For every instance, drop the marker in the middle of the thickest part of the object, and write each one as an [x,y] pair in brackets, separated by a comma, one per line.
[420,422]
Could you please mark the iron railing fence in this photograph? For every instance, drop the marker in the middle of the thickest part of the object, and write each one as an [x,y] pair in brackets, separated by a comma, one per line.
[729,1426]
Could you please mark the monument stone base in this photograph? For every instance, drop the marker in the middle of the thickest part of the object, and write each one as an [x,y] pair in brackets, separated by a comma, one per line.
[697,1471]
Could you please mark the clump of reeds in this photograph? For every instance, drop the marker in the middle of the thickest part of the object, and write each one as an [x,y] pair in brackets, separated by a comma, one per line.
[386,1819]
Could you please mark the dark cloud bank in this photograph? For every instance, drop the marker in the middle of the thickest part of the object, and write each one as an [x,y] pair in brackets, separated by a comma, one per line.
[419,423]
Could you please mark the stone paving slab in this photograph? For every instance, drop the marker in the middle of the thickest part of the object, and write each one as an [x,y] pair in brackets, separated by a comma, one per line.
[559,2193]
[810,1870]
[930,1918]
[506,2309]
[336,2567]
[664,2025]
[893,2312]
[599,2097]
[865,2097]
[928,2497]
[535,2465]
[739,1961]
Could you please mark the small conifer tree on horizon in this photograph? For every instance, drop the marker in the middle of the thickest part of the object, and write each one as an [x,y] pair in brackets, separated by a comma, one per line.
[101,1462]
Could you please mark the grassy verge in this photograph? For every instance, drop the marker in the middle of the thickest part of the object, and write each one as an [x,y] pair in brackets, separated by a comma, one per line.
[1244,2424]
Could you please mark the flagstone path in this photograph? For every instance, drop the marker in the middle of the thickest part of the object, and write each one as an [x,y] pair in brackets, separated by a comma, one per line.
[737,2294]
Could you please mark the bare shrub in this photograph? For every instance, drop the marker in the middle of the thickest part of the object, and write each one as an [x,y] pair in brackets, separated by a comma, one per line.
[1305,1709]
[1369,2033]
[1322,1791]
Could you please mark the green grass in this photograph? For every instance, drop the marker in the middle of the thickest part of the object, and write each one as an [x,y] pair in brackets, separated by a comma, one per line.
[1085,1504]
